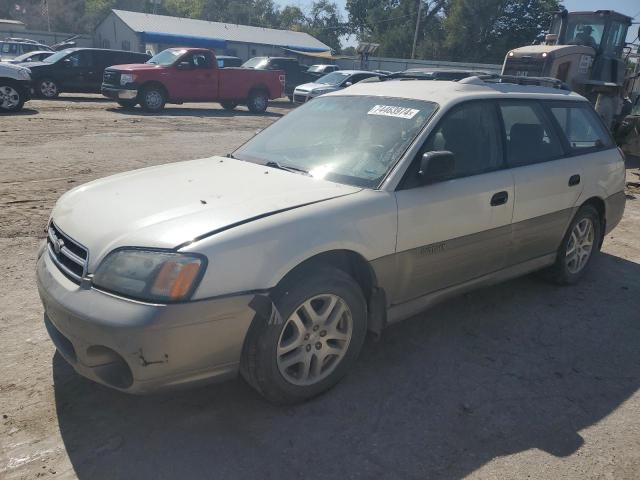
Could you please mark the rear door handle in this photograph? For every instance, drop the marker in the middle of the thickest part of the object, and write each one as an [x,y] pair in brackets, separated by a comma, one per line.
[574,180]
[499,198]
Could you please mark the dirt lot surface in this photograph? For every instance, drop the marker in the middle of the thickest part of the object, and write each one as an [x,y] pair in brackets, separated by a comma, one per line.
[521,380]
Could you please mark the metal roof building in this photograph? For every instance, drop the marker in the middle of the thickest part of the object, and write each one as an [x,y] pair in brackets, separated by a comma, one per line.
[142,32]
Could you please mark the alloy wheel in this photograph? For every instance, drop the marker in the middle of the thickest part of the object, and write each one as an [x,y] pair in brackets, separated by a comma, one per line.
[9,97]
[580,245]
[314,339]
[153,99]
[48,89]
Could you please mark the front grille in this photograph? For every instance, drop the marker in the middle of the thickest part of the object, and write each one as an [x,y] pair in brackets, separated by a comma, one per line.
[524,67]
[111,77]
[70,257]
[300,98]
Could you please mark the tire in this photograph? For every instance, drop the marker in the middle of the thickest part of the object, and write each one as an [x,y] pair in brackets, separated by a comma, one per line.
[153,99]
[128,104]
[229,105]
[290,98]
[258,101]
[47,88]
[278,359]
[574,260]
[12,97]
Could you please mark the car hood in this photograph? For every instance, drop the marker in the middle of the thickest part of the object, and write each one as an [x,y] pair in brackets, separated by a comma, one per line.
[166,206]
[136,67]
[309,87]
[35,65]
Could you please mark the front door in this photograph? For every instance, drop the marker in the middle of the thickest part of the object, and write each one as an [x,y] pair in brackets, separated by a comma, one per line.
[458,229]
[196,78]
[76,72]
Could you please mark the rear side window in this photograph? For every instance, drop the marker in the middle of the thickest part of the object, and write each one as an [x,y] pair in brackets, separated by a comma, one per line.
[471,132]
[582,128]
[529,138]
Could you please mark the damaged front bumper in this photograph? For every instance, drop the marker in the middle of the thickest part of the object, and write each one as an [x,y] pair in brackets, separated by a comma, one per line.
[139,347]
[119,93]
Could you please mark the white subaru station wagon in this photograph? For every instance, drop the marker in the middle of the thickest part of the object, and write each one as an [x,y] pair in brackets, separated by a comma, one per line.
[354,211]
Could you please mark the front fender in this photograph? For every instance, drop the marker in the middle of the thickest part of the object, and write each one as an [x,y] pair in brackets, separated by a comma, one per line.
[257,255]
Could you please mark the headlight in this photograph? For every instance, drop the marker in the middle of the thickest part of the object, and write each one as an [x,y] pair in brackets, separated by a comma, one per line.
[24,74]
[127,78]
[149,275]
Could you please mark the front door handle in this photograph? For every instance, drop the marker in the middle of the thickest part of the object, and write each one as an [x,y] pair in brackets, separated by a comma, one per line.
[574,180]
[499,198]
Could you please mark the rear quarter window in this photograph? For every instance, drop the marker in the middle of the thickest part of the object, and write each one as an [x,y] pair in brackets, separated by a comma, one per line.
[581,127]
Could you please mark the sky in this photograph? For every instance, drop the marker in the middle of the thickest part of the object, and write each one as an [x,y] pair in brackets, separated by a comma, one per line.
[628,7]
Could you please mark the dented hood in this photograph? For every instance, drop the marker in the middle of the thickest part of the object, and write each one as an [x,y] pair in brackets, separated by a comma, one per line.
[169,205]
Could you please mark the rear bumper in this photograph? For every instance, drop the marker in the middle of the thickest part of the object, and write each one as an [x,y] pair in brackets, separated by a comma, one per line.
[119,93]
[138,347]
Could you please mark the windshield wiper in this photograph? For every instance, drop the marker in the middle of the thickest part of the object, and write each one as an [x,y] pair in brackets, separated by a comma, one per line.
[287,168]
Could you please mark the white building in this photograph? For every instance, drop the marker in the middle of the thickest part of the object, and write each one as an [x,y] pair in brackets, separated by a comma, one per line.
[142,32]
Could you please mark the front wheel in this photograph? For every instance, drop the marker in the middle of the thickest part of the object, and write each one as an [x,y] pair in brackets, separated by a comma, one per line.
[579,245]
[12,97]
[153,99]
[324,322]
[258,101]
[47,88]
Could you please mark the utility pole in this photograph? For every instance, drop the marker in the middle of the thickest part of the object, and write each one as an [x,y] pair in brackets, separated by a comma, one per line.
[45,13]
[415,35]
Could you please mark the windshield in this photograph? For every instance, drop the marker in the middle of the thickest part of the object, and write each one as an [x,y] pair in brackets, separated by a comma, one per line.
[333,78]
[166,57]
[58,56]
[255,62]
[315,68]
[585,30]
[346,139]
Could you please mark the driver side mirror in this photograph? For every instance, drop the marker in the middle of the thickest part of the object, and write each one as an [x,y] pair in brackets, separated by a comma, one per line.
[436,166]
[67,62]
[347,84]
[184,66]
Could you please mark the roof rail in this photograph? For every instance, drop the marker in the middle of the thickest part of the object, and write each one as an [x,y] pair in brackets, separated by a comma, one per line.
[517,80]
[21,40]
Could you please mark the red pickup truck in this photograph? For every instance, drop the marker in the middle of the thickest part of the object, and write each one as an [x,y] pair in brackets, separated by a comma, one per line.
[179,75]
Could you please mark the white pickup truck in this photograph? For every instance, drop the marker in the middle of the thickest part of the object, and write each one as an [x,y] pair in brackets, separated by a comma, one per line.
[15,87]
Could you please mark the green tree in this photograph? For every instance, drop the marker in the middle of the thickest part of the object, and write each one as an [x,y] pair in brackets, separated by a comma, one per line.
[484,30]
[325,23]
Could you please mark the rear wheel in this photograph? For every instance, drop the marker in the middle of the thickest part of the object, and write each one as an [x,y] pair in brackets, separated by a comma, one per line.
[128,104]
[323,327]
[258,101]
[47,88]
[229,105]
[153,99]
[12,97]
[579,246]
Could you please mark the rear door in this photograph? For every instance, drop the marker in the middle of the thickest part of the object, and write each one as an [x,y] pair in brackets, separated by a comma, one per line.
[547,181]
[459,229]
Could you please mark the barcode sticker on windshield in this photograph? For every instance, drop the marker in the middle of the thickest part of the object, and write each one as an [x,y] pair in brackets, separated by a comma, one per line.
[391,111]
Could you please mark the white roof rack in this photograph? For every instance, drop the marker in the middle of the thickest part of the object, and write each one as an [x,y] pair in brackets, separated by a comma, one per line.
[516,80]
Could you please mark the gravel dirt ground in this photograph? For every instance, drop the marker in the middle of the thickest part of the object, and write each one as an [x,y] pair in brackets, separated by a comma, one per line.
[521,380]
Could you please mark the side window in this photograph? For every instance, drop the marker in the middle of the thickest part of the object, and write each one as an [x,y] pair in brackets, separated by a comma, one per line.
[471,132]
[581,127]
[201,60]
[81,59]
[529,137]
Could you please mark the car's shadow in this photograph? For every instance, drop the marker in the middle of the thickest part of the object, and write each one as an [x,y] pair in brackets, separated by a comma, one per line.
[25,111]
[517,366]
[171,111]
